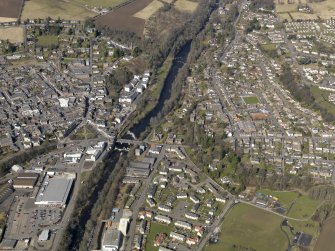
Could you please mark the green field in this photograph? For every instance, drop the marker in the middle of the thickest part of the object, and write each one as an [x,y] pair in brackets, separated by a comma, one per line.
[34,9]
[250,227]
[250,100]
[284,198]
[304,207]
[84,133]
[47,41]
[155,229]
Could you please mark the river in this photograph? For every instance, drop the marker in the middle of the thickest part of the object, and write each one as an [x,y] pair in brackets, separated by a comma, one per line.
[178,62]
[165,95]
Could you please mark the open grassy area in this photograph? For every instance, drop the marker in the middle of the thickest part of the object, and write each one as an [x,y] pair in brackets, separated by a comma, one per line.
[186,6]
[304,207]
[321,97]
[155,229]
[13,34]
[149,10]
[47,41]
[84,133]
[326,240]
[49,8]
[251,100]
[250,227]
[285,198]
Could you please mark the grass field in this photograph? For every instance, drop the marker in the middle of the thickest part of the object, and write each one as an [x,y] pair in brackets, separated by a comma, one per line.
[186,6]
[47,41]
[13,34]
[49,8]
[304,207]
[155,229]
[321,97]
[84,133]
[250,227]
[250,100]
[149,10]
[285,198]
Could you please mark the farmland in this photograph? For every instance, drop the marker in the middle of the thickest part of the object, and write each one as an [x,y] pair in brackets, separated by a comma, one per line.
[186,5]
[13,34]
[10,10]
[324,10]
[149,10]
[123,18]
[250,227]
[99,3]
[326,240]
[48,8]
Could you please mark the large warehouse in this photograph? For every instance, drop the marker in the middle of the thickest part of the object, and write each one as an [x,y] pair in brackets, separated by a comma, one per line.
[26,180]
[54,191]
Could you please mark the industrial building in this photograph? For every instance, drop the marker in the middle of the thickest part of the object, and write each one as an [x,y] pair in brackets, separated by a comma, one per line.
[112,240]
[26,180]
[138,169]
[55,191]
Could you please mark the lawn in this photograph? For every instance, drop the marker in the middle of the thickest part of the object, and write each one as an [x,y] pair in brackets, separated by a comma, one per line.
[250,227]
[250,100]
[47,40]
[285,197]
[84,133]
[13,34]
[304,207]
[34,9]
[155,229]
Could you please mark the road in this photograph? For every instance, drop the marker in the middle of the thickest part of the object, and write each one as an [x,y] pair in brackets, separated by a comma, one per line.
[140,201]
[70,207]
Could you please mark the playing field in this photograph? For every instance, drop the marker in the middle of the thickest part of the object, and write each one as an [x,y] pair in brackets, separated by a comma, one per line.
[186,6]
[250,100]
[49,8]
[13,34]
[149,10]
[155,229]
[250,227]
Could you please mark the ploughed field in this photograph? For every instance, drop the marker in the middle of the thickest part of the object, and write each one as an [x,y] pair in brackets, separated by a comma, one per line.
[123,18]
[10,10]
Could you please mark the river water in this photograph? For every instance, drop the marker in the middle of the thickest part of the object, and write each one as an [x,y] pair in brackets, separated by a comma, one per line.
[178,62]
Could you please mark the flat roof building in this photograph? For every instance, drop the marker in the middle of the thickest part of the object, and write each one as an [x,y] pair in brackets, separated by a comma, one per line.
[25,180]
[112,240]
[54,191]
